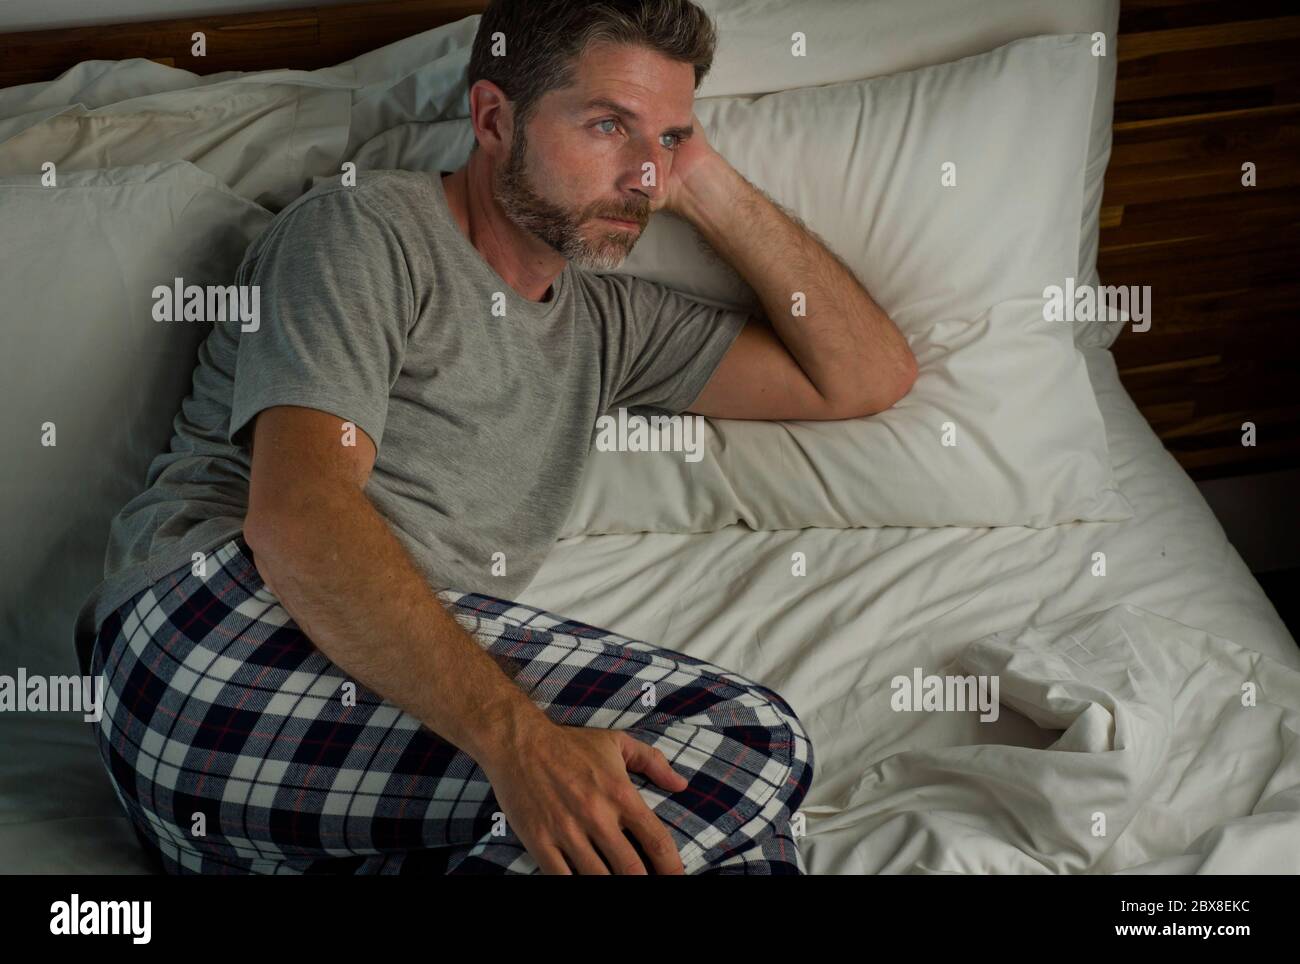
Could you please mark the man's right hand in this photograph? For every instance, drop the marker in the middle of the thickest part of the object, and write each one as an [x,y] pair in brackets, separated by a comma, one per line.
[565,792]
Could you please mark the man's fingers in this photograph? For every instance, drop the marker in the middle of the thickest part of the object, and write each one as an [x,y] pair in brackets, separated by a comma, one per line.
[655,840]
[584,858]
[619,852]
[645,759]
[549,859]
[589,838]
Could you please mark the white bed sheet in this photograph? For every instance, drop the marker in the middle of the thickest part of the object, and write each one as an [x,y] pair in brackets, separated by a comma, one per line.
[1149,733]
[879,602]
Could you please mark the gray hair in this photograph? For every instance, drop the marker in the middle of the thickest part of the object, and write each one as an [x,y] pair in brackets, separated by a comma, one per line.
[546,38]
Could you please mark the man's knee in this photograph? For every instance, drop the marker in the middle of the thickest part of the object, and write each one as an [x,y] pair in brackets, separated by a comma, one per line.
[785,742]
[800,754]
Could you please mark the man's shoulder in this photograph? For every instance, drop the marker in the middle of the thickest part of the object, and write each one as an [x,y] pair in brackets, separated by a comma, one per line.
[336,215]
[622,294]
[607,285]
[388,194]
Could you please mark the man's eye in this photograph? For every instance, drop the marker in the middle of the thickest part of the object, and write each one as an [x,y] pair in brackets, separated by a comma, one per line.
[676,141]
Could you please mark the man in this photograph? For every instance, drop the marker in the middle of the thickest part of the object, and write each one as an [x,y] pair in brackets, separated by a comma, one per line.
[413,413]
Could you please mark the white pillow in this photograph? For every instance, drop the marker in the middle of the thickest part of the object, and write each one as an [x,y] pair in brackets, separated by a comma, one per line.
[960,269]
[1027,450]
[854,39]
[78,264]
[264,141]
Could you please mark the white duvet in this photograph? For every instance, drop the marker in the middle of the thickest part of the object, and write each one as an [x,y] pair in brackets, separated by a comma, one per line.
[1122,742]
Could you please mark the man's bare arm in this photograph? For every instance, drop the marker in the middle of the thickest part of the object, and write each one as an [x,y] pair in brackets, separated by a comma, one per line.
[337,568]
[847,347]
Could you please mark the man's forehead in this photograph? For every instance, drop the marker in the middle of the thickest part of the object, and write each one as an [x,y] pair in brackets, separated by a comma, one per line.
[636,80]
[632,108]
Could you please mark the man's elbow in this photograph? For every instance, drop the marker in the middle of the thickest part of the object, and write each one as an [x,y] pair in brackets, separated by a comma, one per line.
[282,537]
[266,534]
[891,389]
[908,370]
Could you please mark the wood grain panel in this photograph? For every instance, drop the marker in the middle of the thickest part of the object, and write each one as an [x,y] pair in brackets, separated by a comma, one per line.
[303,38]
[1204,87]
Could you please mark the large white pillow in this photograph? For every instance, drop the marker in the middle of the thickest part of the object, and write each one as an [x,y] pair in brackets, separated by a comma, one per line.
[961,270]
[78,264]
[854,39]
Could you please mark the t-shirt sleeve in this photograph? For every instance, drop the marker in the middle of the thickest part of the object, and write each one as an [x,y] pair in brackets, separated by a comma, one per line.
[671,344]
[335,305]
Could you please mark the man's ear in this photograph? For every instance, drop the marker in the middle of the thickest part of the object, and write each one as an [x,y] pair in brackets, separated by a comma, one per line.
[492,115]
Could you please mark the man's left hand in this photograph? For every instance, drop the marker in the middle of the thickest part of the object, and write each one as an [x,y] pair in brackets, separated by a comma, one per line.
[695,166]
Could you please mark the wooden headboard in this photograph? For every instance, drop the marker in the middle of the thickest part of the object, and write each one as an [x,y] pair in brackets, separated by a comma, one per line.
[302,38]
[1204,86]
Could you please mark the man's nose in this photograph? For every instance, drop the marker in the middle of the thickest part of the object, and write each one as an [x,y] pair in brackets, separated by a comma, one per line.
[651,178]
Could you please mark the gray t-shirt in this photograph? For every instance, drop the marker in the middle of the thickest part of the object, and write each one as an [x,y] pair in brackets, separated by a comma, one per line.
[376,308]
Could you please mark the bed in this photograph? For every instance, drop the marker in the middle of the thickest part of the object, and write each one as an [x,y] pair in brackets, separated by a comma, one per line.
[1148,719]
[894,791]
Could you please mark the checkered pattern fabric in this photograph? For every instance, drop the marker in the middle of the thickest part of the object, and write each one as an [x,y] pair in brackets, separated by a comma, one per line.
[234,746]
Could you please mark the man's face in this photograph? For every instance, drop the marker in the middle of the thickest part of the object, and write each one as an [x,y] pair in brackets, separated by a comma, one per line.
[585,162]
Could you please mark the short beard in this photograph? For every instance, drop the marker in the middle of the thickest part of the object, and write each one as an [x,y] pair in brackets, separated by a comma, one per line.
[556,226]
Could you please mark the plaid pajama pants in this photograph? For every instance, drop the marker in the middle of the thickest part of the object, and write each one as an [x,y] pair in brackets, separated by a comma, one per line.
[234,748]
